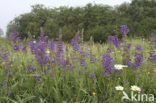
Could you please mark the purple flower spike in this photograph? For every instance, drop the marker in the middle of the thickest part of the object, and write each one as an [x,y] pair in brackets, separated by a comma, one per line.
[138,56]
[107,64]
[92,75]
[114,40]
[75,43]
[124,29]
[126,55]
[152,44]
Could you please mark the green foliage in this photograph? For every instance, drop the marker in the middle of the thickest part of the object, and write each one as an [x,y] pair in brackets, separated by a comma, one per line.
[97,21]
[1,32]
[100,33]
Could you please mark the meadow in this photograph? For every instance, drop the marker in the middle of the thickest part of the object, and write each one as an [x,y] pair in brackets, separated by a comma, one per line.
[47,71]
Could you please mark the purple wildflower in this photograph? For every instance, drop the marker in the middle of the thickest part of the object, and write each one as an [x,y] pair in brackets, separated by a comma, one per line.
[126,55]
[75,43]
[124,29]
[24,49]
[32,46]
[107,64]
[114,40]
[8,92]
[38,79]
[4,85]
[82,59]
[16,40]
[138,56]
[92,75]
[59,53]
[16,47]
[29,67]
[51,45]
[152,53]
[91,56]
[43,100]
[12,36]
[110,39]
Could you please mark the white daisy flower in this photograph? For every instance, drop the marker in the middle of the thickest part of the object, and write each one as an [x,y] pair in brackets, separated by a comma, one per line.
[34,41]
[135,88]
[120,88]
[47,51]
[119,66]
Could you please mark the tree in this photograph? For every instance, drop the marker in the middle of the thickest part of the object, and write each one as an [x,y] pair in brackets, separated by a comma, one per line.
[97,21]
[1,32]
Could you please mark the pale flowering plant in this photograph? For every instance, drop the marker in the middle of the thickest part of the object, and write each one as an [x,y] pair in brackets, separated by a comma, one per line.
[119,88]
[135,88]
[119,66]
[47,52]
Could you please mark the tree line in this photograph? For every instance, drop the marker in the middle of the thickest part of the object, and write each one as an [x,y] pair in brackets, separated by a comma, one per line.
[92,20]
[1,32]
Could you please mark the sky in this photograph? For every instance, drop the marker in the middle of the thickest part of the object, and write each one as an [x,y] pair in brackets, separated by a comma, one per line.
[9,9]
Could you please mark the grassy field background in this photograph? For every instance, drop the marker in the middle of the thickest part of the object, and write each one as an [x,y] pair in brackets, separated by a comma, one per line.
[24,80]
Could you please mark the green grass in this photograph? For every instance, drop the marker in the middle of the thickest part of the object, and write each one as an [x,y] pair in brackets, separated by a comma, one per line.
[72,86]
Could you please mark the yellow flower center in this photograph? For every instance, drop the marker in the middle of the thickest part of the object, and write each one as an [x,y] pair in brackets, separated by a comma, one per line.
[47,52]
[118,67]
[135,88]
[93,93]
